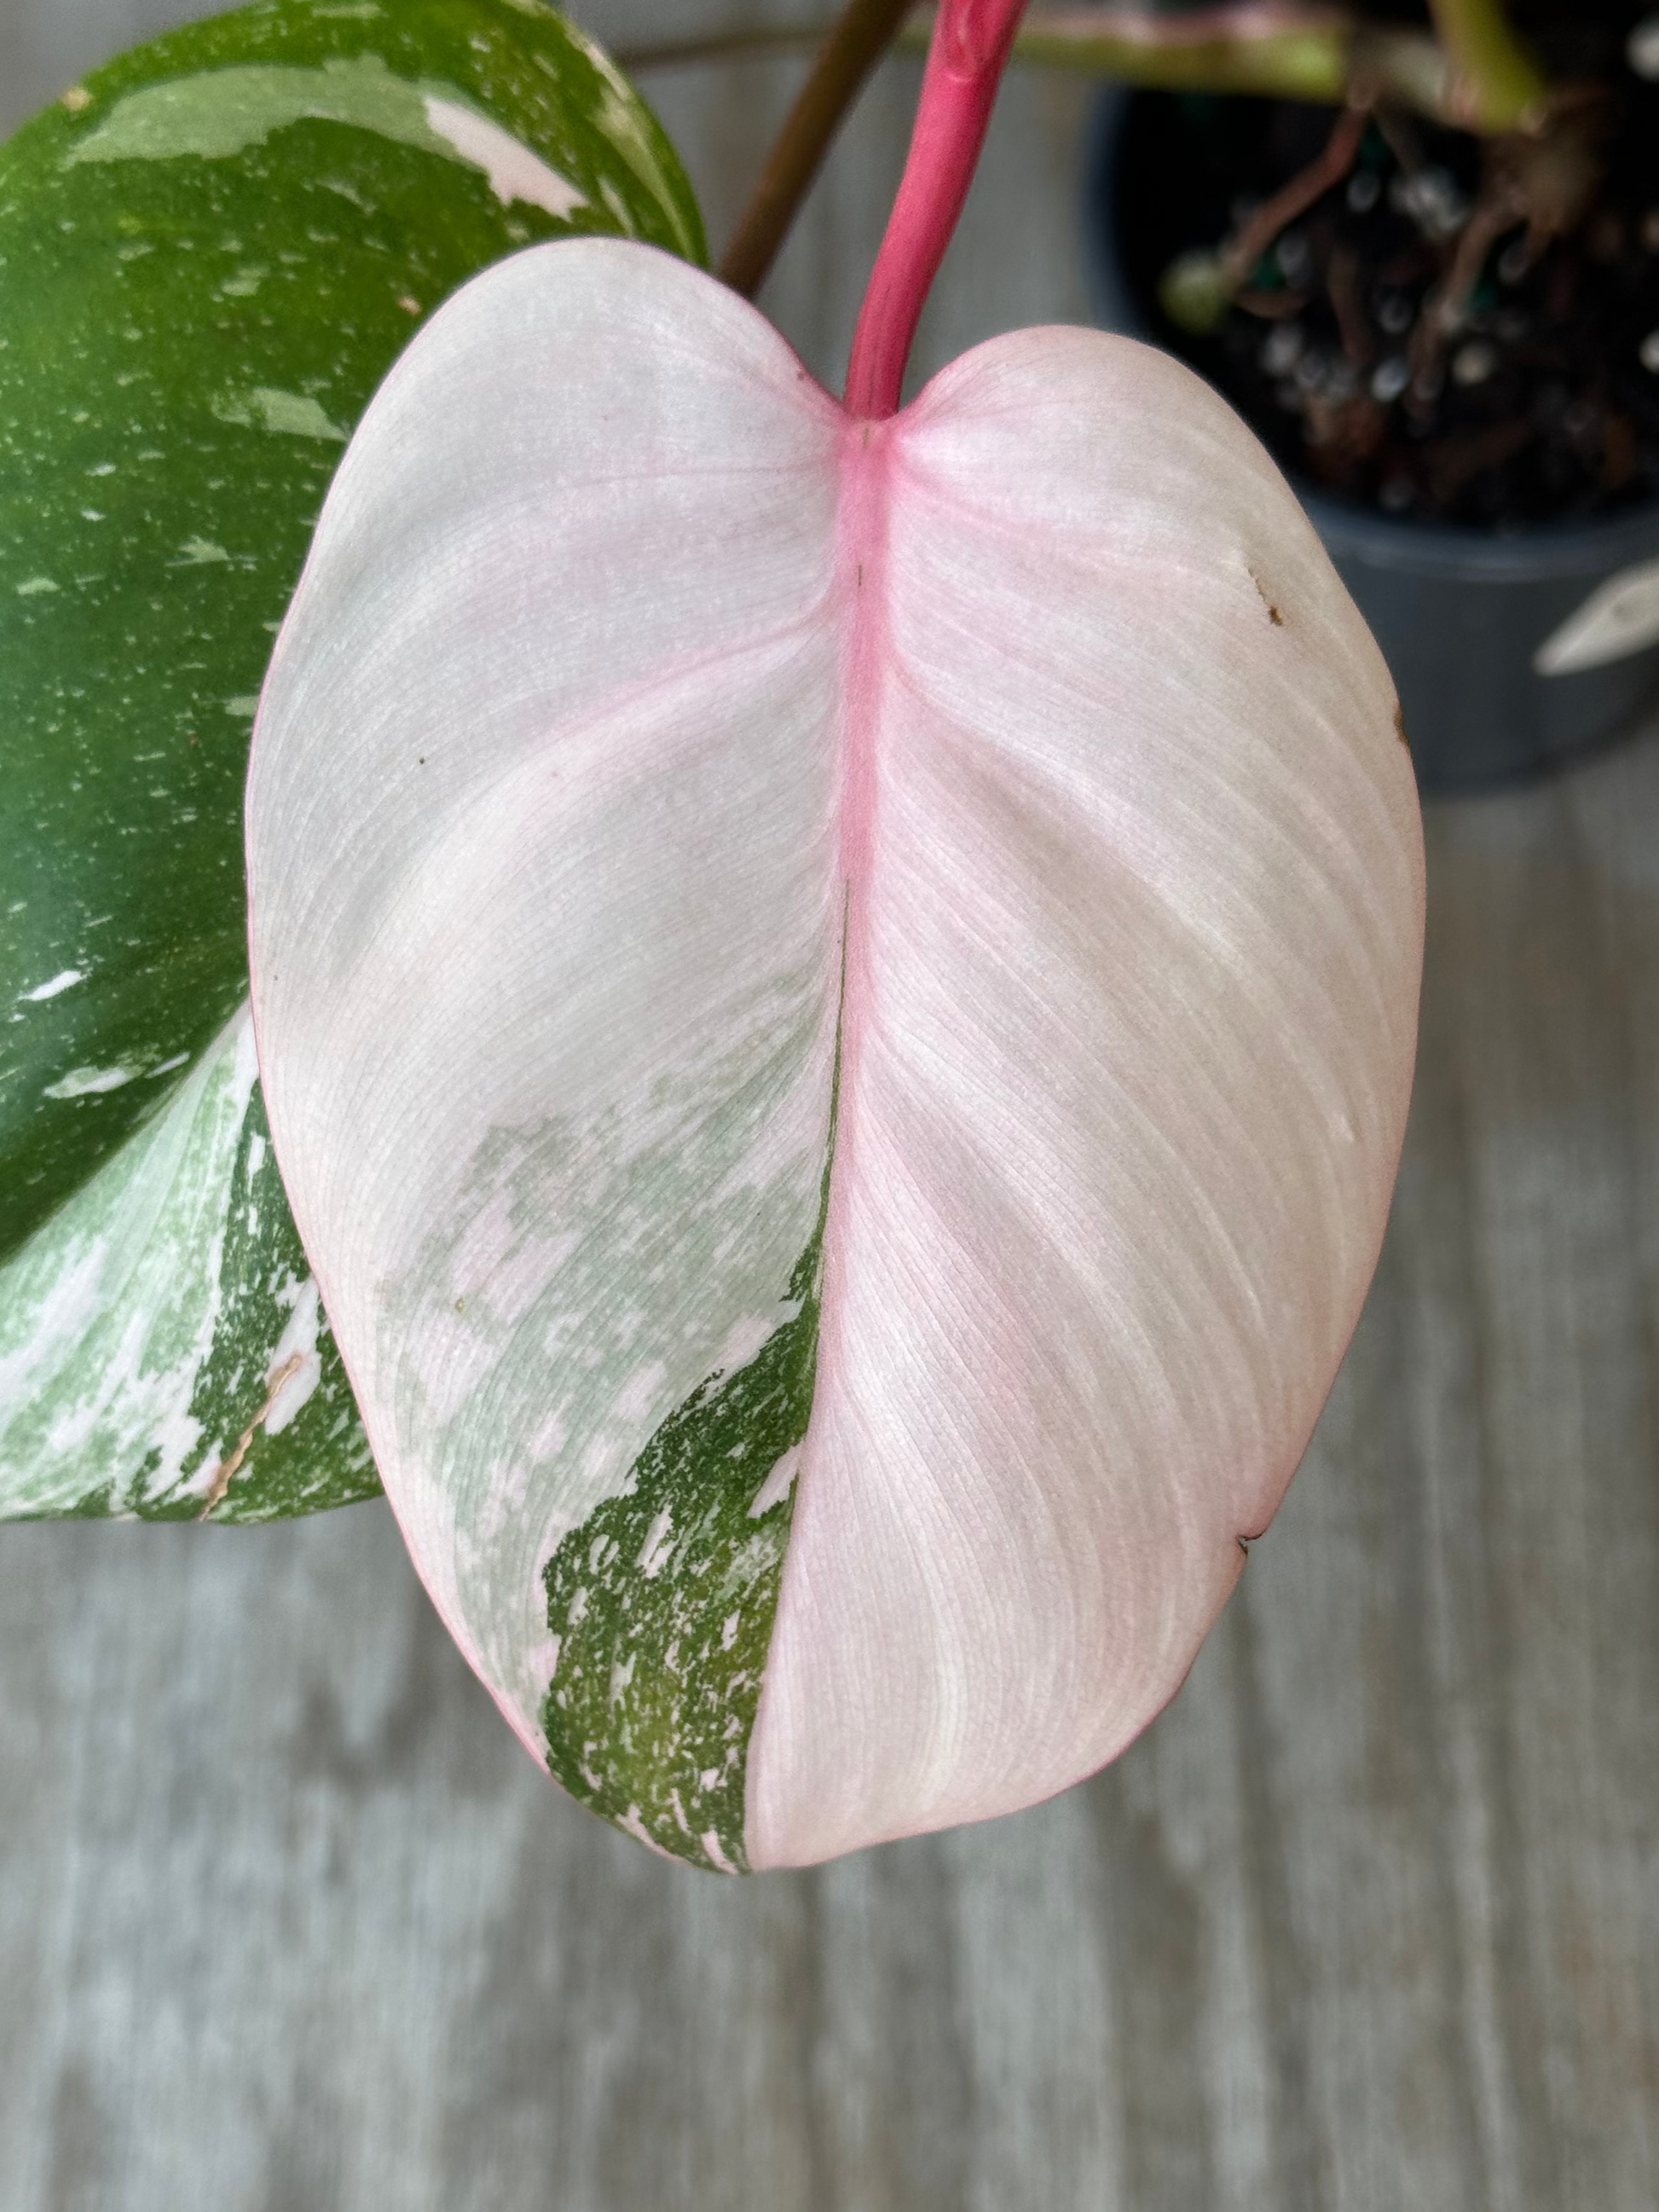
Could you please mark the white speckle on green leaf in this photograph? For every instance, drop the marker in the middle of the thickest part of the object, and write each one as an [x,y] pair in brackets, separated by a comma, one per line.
[198,553]
[755,1559]
[34,586]
[288,414]
[659,1543]
[90,1082]
[65,980]
[244,709]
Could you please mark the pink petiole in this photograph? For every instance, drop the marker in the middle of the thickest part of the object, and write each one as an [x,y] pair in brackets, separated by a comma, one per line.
[969,52]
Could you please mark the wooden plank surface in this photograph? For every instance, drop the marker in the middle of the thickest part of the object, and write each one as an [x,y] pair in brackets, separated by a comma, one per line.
[1370,1919]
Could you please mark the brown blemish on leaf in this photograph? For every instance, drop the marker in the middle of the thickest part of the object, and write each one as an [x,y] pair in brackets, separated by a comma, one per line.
[1273,615]
[225,1473]
[1400,726]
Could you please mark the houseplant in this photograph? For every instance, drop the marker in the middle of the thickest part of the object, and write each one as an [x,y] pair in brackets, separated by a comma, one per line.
[736,875]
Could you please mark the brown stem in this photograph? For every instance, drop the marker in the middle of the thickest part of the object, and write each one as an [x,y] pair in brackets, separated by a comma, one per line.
[1296,197]
[862,36]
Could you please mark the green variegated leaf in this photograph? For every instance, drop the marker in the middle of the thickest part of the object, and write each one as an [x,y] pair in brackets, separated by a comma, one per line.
[161,1346]
[210,253]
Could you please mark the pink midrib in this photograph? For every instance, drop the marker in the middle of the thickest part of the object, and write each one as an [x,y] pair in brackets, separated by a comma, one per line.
[867,458]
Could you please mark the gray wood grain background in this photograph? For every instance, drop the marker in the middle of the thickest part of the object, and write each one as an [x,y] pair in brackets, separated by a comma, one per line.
[1369,1920]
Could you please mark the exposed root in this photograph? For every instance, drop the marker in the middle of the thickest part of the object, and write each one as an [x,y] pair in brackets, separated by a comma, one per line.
[1328,169]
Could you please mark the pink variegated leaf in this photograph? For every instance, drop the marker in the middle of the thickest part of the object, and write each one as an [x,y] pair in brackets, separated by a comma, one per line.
[837,999]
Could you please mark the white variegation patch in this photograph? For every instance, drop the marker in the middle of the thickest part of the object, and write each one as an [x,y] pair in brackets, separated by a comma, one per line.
[514,173]
[216,114]
[90,1082]
[297,1357]
[107,1314]
[154,1337]
[65,980]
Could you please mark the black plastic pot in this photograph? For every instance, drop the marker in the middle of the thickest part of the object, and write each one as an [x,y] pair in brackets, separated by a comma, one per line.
[1512,654]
